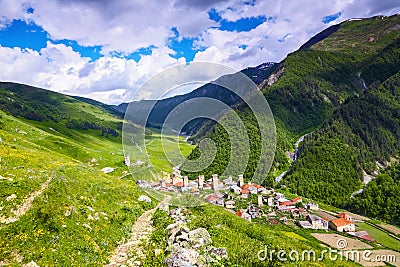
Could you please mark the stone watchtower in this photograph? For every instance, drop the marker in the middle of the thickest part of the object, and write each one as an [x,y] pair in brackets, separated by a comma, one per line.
[215,182]
[185,181]
[240,180]
[162,183]
[201,181]
[260,200]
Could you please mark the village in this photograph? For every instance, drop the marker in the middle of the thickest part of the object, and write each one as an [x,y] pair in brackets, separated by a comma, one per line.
[254,202]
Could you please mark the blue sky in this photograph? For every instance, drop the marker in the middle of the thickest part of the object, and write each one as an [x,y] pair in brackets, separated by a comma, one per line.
[27,34]
[106,50]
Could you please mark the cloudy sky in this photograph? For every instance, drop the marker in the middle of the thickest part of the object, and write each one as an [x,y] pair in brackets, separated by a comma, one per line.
[106,50]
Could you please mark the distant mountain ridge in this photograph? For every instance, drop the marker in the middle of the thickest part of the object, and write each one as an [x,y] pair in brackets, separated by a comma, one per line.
[161,108]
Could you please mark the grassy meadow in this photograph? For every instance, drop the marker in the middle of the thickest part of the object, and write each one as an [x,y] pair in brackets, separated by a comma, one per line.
[83,214]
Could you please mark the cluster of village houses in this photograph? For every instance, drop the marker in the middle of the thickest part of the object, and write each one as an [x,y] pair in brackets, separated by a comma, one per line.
[270,204]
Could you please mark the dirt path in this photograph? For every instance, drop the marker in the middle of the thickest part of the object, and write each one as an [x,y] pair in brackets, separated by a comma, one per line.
[141,229]
[26,204]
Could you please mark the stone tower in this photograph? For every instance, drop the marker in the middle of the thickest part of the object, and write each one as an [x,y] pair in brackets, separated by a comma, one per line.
[260,200]
[162,183]
[201,181]
[215,183]
[185,181]
[240,180]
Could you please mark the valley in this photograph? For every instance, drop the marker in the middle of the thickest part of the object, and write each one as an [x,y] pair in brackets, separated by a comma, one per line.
[78,189]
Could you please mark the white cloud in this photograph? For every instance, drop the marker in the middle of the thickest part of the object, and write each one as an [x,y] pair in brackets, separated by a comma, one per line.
[58,68]
[293,22]
[10,9]
[123,26]
[126,26]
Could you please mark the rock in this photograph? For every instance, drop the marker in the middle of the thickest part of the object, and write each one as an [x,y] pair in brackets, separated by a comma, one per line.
[176,211]
[172,229]
[144,198]
[172,226]
[185,230]
[11,197]
[171,241]
[182,237]
[31,264]
[107,169]
[182,257]
[184,244]
[199,238]
[218,253]
[164,207]
[173,248]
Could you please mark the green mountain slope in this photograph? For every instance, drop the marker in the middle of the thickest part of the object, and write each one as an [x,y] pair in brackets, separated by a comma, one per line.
[364,130]
[57,207]
[78,214]
[337,83]
[381,198]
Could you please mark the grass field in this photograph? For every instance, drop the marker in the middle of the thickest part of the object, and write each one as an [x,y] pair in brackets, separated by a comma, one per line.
[391,228]
[379,236]
[83,213]
[166,149]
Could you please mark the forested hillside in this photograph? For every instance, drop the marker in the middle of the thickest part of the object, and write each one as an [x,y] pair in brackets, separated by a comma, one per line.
[364,130]
[344,89]
[381,197]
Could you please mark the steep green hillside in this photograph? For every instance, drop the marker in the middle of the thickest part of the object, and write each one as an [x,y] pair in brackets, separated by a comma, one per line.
[54,109]
[79,214]
[381,197]
[335,83]
[364,130]
[57,207]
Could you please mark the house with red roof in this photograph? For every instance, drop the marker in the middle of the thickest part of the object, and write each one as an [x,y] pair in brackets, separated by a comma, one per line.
[245,186]
[286,203]
[297,200]
[342,225]
[211,198]
[345,216]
